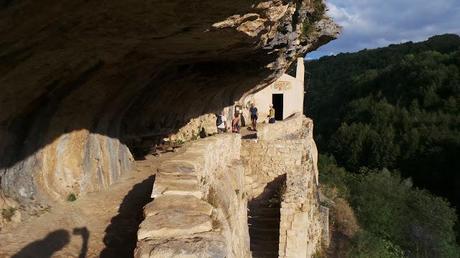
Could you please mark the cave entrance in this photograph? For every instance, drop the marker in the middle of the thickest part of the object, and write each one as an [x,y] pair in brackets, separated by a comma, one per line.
[278,101]
[264,219]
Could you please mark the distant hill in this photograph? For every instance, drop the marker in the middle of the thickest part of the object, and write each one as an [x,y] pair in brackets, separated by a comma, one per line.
[396,107]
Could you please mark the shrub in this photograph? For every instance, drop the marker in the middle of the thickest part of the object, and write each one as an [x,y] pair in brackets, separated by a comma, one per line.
[345,219]
[333,178]
[320,9]
[8,213]
[368,245]
[396,218]
[71,197]
[318,13]
[390,208]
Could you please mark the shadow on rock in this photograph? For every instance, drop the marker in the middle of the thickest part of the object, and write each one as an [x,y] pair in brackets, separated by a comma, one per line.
[84,232]
[45,247]
[121,235]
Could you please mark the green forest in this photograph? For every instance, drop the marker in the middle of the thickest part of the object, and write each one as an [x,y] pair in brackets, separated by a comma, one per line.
[387,123]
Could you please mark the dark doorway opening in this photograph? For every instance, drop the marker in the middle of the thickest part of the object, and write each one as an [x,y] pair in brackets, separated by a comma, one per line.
[277,101]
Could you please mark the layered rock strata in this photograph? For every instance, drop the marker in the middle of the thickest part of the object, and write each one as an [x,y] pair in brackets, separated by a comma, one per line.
[82,83]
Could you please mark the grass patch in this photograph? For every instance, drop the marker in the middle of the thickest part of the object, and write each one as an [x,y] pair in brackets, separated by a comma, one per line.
[312,18]
[8,213]
[71,197]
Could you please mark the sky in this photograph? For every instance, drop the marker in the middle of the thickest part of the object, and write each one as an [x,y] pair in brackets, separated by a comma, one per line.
[376,23]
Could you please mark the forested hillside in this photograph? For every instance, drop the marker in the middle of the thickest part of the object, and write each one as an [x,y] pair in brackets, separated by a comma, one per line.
[393,109]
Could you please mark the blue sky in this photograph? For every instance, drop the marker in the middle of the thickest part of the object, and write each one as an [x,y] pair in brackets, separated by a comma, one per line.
[377,23]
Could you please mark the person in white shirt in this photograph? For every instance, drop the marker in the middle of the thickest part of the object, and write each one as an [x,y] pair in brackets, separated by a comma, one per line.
[221,123]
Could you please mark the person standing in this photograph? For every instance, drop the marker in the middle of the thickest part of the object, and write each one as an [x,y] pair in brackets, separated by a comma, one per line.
[271,114]
[221,123]
[236,123]
[254,116]
[242,120]
[239,111]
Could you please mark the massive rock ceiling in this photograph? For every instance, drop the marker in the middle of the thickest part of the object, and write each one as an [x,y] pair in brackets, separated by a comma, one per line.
[79,78]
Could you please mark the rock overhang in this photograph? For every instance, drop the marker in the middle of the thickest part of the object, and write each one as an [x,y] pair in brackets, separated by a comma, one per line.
[78,78]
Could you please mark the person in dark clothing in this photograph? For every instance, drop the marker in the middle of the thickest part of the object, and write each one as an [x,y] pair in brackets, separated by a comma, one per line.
[254,116]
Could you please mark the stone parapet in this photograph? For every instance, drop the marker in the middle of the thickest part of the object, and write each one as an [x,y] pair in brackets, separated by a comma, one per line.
[199,206]
[300,225]
[285,129]
[201,195]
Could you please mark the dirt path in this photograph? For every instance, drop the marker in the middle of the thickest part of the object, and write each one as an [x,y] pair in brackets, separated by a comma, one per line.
[102,224]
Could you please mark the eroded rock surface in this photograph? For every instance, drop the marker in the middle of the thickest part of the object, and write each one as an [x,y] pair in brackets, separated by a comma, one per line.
[82,82]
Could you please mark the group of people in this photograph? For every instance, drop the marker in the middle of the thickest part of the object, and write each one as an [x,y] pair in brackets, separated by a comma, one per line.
[238,119]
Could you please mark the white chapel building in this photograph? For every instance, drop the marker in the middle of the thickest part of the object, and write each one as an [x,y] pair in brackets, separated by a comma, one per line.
[286,95]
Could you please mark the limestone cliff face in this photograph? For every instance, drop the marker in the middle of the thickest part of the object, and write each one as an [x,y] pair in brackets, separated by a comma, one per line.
[81,81]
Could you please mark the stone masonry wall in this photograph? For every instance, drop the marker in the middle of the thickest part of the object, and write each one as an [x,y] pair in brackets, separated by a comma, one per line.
[300,225]
[287,148]
[201,195]
[278,149]
[266,160]
[200,209]
[281,129]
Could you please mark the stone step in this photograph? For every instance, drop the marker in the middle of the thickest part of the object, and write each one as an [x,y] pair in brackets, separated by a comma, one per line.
[263,227]
[256,226]
[163,178]
[263,224]
[256,230]
[169,224]
[264,253]
[264,206]
[266,221]
[267,217]
[262,238]
[178,168]
[265,245]
[264,212]
[269,245]
[263,219]
[180,203]
[176,188]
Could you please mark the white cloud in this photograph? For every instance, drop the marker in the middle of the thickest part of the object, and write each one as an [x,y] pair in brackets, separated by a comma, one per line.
[376,23]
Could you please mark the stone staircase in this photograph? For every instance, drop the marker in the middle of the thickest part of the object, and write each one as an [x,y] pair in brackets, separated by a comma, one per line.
[192,193]
[264,221]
